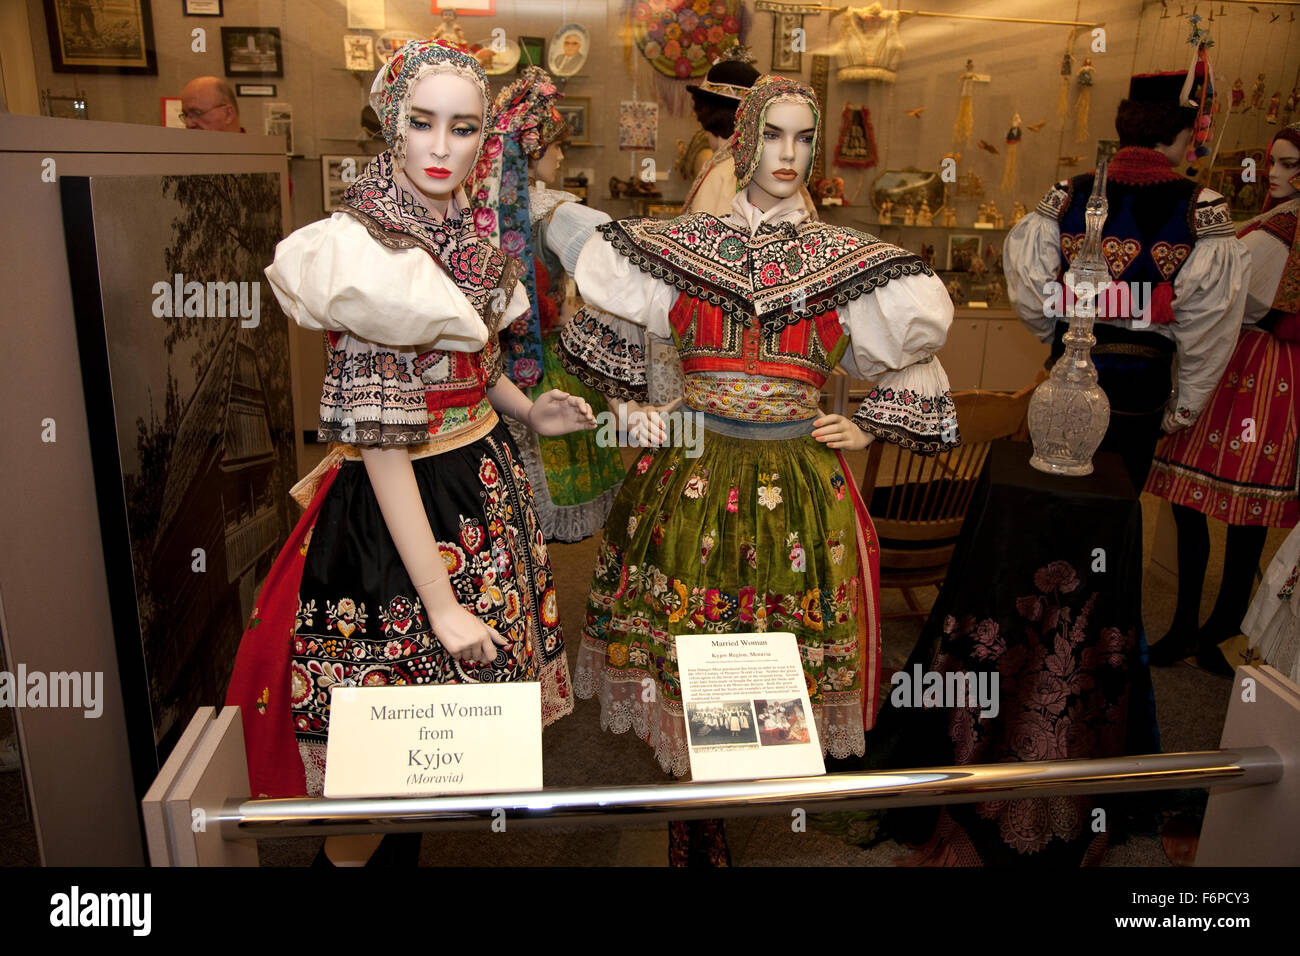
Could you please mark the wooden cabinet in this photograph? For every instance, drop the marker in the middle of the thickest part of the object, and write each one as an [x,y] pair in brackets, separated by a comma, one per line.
[1013,355]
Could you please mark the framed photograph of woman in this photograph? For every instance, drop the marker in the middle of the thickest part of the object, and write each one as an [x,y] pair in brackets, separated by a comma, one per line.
[101,36]
[252,51]
[576,111]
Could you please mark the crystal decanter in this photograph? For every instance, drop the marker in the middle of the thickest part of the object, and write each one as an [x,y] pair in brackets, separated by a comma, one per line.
[1069,412]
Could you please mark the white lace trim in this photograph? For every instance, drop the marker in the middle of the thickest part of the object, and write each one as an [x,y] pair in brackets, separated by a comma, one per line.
[660,723]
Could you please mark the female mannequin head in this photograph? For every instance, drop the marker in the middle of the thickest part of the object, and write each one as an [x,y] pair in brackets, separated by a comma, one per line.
[433,101]
[547,166]
[776,140]
[1284,166]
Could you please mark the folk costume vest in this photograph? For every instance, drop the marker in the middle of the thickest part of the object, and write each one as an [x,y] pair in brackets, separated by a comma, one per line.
[450,388]
[761,306]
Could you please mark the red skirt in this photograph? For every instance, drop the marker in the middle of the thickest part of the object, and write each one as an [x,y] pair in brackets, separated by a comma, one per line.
[1238,463]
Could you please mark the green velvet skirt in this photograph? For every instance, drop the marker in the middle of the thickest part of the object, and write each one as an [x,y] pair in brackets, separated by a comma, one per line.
[749,535]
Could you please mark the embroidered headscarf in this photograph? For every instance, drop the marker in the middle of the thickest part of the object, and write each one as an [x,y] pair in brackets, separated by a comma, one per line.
[525,123]
[747,143]
[390,94]
[1279,219]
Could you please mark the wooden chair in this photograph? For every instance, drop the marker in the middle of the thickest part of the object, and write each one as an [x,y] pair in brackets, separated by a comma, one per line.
[918,514]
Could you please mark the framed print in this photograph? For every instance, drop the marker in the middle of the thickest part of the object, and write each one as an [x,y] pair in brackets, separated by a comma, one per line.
[532,52]
[785,57]
[576,111]
[203,8]
[114,36]
[184,358]
[255,89]
[569,49]
[337,173]
[359,52]
[252,51]
[465,8]
[279,122]
[171,112]
[962,251]
[389,43]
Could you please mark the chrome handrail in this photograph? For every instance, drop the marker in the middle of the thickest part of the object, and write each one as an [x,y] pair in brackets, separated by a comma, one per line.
[614,806]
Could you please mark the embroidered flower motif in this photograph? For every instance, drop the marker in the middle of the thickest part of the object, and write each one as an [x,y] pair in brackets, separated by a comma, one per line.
[345,617]
[812,610]
[527,372]
[668,473]
[770,274]
[263,699]
[798,558]
[837,485]
[471,534]
[696,485]
[1235,444]
[643,465]
[488,474]
[1282,387]
[836,546]
[550,608]
[749,553]
[1057,576]
[769,495]
[632,521]
[1213,437]
[453,558]
[616,654]
[306,614]
[706,546]
[733,500]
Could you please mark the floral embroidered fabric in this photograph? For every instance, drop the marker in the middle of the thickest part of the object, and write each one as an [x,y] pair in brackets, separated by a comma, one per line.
[752,399]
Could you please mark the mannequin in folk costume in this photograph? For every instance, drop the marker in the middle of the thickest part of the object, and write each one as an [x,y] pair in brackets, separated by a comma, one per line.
[573,480]
[419,559]
[1238,462]
[1165,236]
[764,529]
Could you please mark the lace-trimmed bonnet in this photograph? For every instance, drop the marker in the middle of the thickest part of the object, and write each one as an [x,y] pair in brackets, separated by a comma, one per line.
[747,143]
[390,94]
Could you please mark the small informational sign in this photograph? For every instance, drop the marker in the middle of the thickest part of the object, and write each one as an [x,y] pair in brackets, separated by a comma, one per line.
[746,707]
[434,738]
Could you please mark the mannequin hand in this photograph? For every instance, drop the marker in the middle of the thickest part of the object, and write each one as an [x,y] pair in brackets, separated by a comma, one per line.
[1172,423]
[646,427]
[558,413]
[465,636]
[836,431]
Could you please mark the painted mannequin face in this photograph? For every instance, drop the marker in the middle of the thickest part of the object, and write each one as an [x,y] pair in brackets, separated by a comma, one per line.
[446,124]
[1283,165]
[787,153]
[548,167]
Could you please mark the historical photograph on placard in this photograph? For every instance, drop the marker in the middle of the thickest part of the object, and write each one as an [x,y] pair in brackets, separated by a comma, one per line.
[189,348]
[781,722]
[728,723]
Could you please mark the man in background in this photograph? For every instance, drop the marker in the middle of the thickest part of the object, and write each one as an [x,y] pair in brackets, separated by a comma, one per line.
[208,102]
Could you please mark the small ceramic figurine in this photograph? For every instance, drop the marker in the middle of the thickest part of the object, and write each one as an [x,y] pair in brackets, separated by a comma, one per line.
[994,216]
[1274,103]
[955,292]
[1257,93]
[982,214]
[925,217]
[449,29]
[949,216]
[909,215]
[1017,211]
[886,212]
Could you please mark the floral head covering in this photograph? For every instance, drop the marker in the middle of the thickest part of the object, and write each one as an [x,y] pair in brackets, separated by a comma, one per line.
[390,94]
[526,110]
[1292,135]
[747,143]
[525,122]
[1279,218]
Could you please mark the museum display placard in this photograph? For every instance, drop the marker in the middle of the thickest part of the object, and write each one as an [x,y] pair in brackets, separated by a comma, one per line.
[434,738]
[746,706]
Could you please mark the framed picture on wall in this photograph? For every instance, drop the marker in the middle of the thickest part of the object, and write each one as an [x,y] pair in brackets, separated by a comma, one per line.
[465,8]
[962,251]
[183,352]
[87,38]
[337,173]
[252,51]
[785,57]
[532,52]
[255,89]
[576,111]
[203,8]
[359,51]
